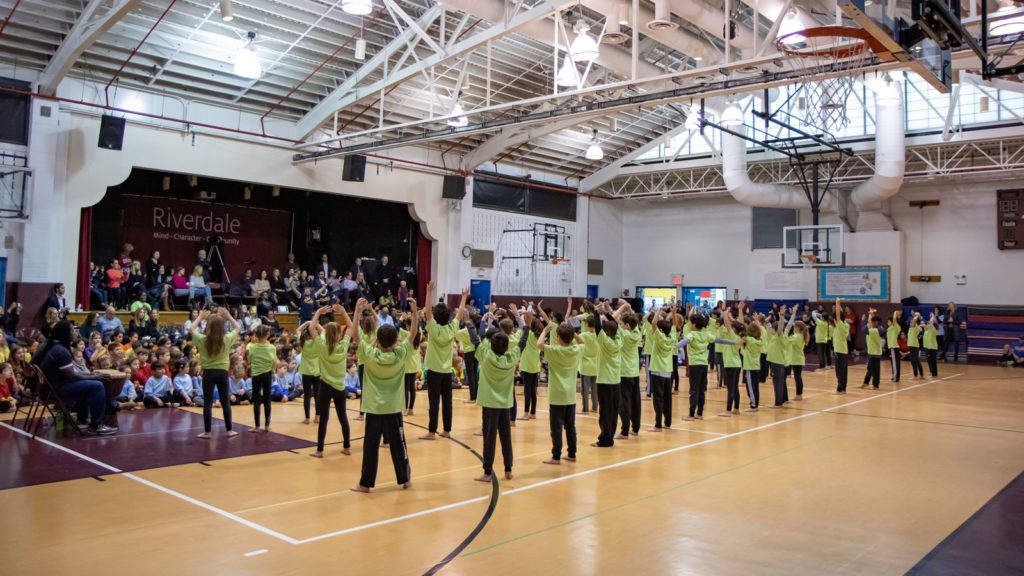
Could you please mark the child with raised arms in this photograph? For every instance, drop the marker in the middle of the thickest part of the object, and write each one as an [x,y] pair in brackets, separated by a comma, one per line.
[441,329]
[529,363]
[840,345]
[697,339]
[629,383]
[892,336]
[589,361]
[873,337]
[661,344]
[262,361]
[914,343]
[609,373]
[563,359]
[498,359]
[732,364]
[333,353]
[931,345]
[309,368]
[796,340]
[777,357]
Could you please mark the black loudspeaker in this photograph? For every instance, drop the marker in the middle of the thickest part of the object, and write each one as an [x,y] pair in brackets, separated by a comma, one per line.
[355,168]
[111,132]
[454,187]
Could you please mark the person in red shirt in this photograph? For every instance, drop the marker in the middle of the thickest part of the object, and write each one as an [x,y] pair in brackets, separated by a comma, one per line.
[125,259]
[7,385]
[116,292]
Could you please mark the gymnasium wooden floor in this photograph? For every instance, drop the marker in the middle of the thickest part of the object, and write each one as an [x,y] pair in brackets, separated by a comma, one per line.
[867,483]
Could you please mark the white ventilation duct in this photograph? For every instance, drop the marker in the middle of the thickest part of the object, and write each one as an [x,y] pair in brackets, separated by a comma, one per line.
[890,162]
[662,17]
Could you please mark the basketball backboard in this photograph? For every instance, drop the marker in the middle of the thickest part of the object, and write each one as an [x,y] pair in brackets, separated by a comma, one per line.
[818,246]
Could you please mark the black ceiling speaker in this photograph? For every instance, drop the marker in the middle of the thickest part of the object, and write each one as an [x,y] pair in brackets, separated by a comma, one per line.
[355,168]
[111,132]
[454,187]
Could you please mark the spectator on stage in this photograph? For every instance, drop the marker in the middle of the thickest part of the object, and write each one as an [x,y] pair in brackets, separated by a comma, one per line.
[197,285]
[203,262]
[10,319]
[320,283]
[153,268]
[245,284]
[136,280]
[98,284]
[250,319]
[357,268]
[294,289]
[158,287]
[58,301]
[124,261]
[334,285]
[278,288]
[292,265]
[179,282]
[385,276]
[362,288]
[324,266]
[386,300]
[271,321]
[141,303]
[348,290]
[115,291]
[261,286]
[403,297]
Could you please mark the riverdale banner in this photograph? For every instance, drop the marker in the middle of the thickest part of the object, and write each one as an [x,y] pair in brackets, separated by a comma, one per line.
[178,229]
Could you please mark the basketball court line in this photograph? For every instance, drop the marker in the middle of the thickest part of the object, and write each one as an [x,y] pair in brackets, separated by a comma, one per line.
[290,540]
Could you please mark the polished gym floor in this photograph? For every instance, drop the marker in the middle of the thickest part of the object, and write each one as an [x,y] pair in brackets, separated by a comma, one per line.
[907,478]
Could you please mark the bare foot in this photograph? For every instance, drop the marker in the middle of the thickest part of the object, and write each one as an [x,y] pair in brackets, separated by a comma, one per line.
[750,409]
[360,417]
[508,475]
[689,418]
[524,417]
[445,434]
[317,454]
[360,488]
[428,436]
[316,420]
[468,401]
[654,429]
[512,424]
[346,451]
[484,478]
[699,417]
[253,430]
[266,429]
[596,445]
[735,410]
[621,437]
[204,436]
[410,413]
[798,397]
[724,415]
[407,485]
[634,433]
[570,458]
[553,462]
[232,433]
[478,433]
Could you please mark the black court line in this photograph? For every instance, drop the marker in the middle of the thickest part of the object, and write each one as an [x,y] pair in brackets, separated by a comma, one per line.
[99,479]
[204,463]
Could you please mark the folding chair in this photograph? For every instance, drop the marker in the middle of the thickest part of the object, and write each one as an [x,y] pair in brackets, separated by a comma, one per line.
[43,395]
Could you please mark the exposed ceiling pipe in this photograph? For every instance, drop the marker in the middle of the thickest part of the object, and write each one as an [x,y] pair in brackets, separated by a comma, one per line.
[678,40]
[890,150]
[739,185]
[712,21]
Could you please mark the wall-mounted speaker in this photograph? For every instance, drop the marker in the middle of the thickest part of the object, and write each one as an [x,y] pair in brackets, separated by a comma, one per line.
[111,132]
[454,187]
[355,168]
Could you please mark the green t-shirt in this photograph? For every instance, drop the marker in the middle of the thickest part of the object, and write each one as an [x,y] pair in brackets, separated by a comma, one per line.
[334,365]
[730,352]
[892,336]
[529,361]
[309,363]
[497,374]
[219,362]
[662,348]
[629,358]
[777,348]
[439,346]
[366,340]
[262,357]
[412,359]
[384,378]
[795,356]
[931,340]
[697,348]
[465,342]
[914,336]
[821,331]
[752,354]
[562,363]
[874,341]
[139,304]
[648,338]
[590,360]
[839,336]
[609,370]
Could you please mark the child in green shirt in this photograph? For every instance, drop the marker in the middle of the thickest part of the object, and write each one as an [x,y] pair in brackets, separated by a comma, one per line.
[441,329]
[563,359]
[914,343]
[661,345]
[498,361]
[332,348]
[262,360]
[840,346]
[892,335]
[697,340]
[629,382]
[931,345]
[609,373]
[589,362]
[873,337]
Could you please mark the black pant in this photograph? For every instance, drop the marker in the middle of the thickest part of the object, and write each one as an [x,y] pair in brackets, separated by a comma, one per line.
[824,354]
[530,380]
[410,391]
[779,383]
[732,388]
[894,363]
[874,373]
[390,427]
[915,361]
[752,379]
[798,376]
[607,413]
[698,388]
[323,406]
[261,395]
[629,404]
[933,366]
[764,368]
[310,390]
[216,379]
[720,368]
[497,424]
[562,417]
[151,401]
[842,366]
[675,372]
[439,393]
[952,337]
[661,388]
[472,373]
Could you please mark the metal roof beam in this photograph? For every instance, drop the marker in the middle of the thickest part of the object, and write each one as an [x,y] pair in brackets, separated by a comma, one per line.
[609,172]
[512,138]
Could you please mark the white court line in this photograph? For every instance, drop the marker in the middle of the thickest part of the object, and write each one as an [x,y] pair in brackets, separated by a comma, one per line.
[649,424]
[254,553]
[472,500]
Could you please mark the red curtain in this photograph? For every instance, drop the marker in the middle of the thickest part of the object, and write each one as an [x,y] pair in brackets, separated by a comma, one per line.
[423,263]
[84,256]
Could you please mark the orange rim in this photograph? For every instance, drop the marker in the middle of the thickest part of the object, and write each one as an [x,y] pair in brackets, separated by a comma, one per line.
[867,42]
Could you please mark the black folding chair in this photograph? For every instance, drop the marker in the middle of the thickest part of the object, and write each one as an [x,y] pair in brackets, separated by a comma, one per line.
[43,395]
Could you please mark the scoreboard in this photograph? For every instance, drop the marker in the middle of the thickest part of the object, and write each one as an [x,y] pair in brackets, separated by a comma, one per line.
[1010,219]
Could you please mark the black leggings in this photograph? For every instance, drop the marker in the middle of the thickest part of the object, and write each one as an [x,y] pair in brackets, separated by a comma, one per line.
[915,361]
[439,394]
[674,376]
[824,355]
[798,376]
[698,388]
[842,365]
[410,390]
[323,403]
[472,373]
[874,372]
[216,379]
[386,426]
[732,388]
[530,380]
[661,389]
[933,367]
[310,387]
[261,395]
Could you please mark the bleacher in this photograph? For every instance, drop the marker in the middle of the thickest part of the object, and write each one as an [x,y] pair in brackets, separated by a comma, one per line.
[989,328]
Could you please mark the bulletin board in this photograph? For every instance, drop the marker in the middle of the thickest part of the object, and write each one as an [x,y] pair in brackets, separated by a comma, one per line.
[866,283]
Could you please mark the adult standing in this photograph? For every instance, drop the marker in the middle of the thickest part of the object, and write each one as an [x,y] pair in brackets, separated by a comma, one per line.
[58,301]
[125,259]
[214,347]
[385,276]
[292,265]
[324,266]
[85,391]
[357,268]
[952,328]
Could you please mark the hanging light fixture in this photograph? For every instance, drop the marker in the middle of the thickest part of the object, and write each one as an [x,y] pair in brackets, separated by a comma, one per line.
[623,10]
[790,28]
[594,151]
[360,43]
[227,12]
[1010,25]
[567,76]
[732,115]
[247,64]
[584,47]
[458,118]
[357,7]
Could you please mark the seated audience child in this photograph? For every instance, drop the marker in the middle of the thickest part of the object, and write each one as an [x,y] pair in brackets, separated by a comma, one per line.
[7,385]
[352,385]
[282,388]
[182,389]
[239,386]
[157,391]
[126,399]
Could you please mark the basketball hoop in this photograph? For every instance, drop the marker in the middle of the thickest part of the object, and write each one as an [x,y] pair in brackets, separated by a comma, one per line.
[832,51]
[808,260]
[556,261]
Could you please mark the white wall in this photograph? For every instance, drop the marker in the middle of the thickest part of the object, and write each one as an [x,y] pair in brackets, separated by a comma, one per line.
[523,276]
[605,242]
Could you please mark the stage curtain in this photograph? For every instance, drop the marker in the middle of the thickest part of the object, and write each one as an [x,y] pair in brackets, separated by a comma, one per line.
[82,295]
[423,264]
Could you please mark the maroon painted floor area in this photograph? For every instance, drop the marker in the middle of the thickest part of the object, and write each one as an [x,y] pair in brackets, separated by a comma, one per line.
[147,439]
[989,542]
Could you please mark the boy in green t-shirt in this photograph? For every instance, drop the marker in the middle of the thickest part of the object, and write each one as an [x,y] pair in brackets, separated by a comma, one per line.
[629,382]
[661,344]
[840,345]
[563,359]
[892,337]
[873,338]
[384,368]
[437,366]
[589,361]
[914,343]
[697,340]
[609,373]
[931,345]
[498,359]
